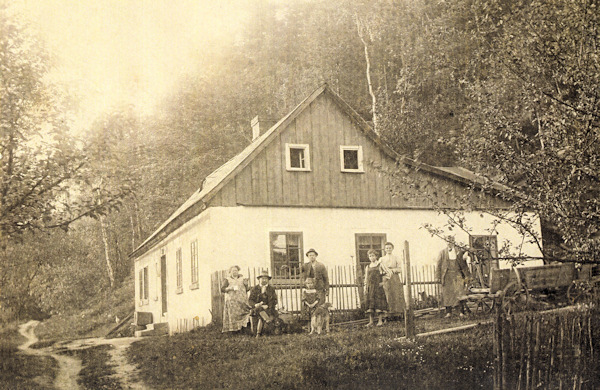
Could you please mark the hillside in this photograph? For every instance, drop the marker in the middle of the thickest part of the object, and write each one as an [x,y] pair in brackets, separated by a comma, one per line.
[102,314]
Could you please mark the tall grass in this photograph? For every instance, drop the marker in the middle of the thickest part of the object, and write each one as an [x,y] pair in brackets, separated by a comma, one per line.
[95,321]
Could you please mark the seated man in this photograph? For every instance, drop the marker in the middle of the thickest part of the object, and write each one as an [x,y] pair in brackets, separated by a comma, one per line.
[262,301]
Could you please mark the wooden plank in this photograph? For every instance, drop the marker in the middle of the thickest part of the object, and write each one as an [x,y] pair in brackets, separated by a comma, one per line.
[332,146]
[228,195]
[362,181]
[371,154]
[351,184]
[340,182]
[254,168]
[216,201]
[305,179]
[243,186]
[386,184]
[263,186]
[321,169]
[289,178]
[380,160]
[274,172]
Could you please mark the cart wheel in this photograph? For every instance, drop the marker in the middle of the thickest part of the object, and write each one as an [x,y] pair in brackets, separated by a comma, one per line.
[579,292]
[514,298]
[486,305]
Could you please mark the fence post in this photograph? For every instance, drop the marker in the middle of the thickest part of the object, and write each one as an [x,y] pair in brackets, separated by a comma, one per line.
[409,315]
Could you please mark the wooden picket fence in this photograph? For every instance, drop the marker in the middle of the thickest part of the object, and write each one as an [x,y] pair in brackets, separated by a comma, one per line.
[345,289]
[552,350]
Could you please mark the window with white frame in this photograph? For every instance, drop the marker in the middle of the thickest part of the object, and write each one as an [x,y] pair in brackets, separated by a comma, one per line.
[297,157]
[143,284]
[286,254]
[194,263]
[178,265]
[351,159]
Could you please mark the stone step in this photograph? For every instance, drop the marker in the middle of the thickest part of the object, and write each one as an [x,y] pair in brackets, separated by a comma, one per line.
[157,329]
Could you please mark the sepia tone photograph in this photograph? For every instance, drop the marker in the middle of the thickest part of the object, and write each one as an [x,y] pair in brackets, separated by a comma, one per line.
[299,194]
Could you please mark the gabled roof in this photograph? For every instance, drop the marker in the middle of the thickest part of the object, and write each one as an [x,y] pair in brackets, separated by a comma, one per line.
[211,185]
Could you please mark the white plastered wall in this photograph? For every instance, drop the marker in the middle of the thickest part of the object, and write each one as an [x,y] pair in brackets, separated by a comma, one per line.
[240,236]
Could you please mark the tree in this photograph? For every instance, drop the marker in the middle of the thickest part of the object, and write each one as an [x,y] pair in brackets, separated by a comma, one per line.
[534,122]
[44,172]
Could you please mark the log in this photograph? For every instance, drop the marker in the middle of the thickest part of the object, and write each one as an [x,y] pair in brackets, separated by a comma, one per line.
[119,325]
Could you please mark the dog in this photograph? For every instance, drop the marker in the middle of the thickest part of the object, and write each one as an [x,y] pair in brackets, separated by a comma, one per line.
[426,301]
[320,317]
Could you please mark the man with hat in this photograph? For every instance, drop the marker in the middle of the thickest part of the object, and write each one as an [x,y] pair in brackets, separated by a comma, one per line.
[263,302]
[317,271]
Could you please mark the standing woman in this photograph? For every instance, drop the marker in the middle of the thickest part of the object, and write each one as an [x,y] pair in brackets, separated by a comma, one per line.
[375,302]
[236,313]
[393,287]
[451,273]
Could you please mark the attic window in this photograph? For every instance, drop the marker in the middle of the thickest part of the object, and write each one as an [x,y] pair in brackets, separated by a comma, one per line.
[351,159]
[297,157]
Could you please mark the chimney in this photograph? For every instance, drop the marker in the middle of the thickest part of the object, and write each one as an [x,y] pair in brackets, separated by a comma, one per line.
[260,125]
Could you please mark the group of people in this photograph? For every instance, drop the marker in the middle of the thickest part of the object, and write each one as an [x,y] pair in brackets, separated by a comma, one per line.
[260,306]
[241,309]
[383,290]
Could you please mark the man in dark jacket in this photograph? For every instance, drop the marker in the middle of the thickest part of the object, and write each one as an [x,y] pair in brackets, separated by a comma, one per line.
[263,302]
[317,271]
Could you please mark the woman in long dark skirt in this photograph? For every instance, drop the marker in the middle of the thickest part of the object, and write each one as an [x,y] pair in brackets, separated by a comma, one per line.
[375,301]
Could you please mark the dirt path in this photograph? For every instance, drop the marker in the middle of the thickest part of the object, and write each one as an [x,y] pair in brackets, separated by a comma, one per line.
[69,367]
[125,373]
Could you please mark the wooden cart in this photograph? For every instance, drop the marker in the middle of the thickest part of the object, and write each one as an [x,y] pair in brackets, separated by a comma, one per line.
[517,288]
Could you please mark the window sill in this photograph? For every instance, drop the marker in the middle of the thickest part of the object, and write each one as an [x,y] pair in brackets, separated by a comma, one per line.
[179,290]
[298,169]
[194,286]
[144,302]
[353,170]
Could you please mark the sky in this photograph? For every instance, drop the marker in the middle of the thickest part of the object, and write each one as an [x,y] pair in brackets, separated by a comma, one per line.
[114,52]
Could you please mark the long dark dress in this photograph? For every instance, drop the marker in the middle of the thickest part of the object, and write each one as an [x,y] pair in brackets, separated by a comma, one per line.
[375,300]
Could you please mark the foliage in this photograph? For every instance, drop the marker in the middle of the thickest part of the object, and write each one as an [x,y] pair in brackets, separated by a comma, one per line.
[533,121]
[43,166]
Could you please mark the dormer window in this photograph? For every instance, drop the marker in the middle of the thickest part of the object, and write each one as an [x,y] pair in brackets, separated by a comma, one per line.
[351,159]
[297,157]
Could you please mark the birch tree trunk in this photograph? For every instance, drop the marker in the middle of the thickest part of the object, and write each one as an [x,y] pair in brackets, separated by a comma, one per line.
[109,269]
[360,27]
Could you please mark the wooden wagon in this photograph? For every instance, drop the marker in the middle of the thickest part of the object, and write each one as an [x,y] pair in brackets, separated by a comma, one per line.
[517,288]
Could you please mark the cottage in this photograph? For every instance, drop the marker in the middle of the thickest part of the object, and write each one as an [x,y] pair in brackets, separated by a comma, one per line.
[315,179]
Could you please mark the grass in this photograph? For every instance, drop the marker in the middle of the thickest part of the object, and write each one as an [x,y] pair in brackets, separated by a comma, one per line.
[96,321]
[96,372]
[348,358]
[20,371]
